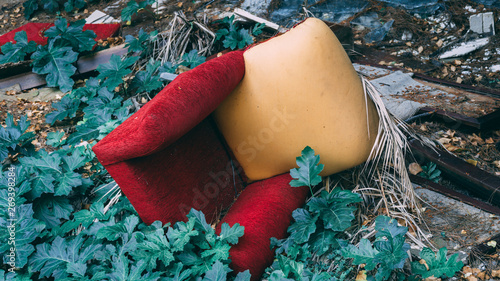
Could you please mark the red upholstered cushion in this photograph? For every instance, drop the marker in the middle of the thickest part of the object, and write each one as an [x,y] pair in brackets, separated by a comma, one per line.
[163,165]
[194,172]
[187,100]
[265,209]
[35,30]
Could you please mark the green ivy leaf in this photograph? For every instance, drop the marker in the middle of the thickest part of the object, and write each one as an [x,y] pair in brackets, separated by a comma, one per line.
[113,71]
[217,273]
[66,182]
[155,248]
[257,29]
[363,254]
[17,52]
[44,162]
[54,138]
[146,81]
[200,222]
[179,274]
[323,241]
[56,62]
[392,253]
[192,59]
[237,39]
[71,5]
[231,234]
[243,276]
[30,6]
[127,12]
[51,5]
[66,107]
[439,266]
[140,43]
[72,35]
[53,259]
[180,235]
[385,226]
[304,225]
[337,216]
[307,173]
[51,209]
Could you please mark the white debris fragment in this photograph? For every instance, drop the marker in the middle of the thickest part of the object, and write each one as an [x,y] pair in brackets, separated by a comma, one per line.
[168,76]
[100,17]
[159,6]
[470,9]
[465,48]
[482,23]
[495,68]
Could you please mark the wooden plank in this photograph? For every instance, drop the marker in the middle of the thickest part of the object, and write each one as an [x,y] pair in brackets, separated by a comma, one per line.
[455,194]
[29,80]
[477,182]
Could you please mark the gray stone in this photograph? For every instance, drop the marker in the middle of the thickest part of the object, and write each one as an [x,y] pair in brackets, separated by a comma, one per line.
[256,7]
[42,94]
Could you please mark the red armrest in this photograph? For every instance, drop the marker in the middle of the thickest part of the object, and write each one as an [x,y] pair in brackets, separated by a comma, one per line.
[178,108]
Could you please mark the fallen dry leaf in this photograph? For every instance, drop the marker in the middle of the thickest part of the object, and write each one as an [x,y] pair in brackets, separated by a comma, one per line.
[444,140]
[471,278]
[361,276]
[497,163]
[414,168]
[472,162]
[483,276]
[492,243]
[495,273]
[432,278]
[489,141]
[422,261]
[467,269]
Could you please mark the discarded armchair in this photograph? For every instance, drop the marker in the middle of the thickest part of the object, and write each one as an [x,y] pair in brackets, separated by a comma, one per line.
[242,118]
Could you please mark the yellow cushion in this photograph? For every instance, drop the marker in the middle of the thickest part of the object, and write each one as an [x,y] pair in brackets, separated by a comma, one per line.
[299,89]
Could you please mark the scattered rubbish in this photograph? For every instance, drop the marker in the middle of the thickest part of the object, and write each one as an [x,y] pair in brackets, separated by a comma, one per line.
[336,11]
[394,85]
[370,71]
[465,48]
[100,17]
[288,12]
[495,68]
[378,34]
[246,15]
[368,20]
[159,6]
[256,7]
[423,7]
[483,23]
[168,76]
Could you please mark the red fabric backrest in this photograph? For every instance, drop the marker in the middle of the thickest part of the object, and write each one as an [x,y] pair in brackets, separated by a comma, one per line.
[168,157]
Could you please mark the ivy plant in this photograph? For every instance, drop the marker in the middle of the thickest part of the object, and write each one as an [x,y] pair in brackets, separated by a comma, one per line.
[18,51]
[234,36]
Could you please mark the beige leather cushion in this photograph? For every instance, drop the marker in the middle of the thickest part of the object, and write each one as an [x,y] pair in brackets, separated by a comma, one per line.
[299,89]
